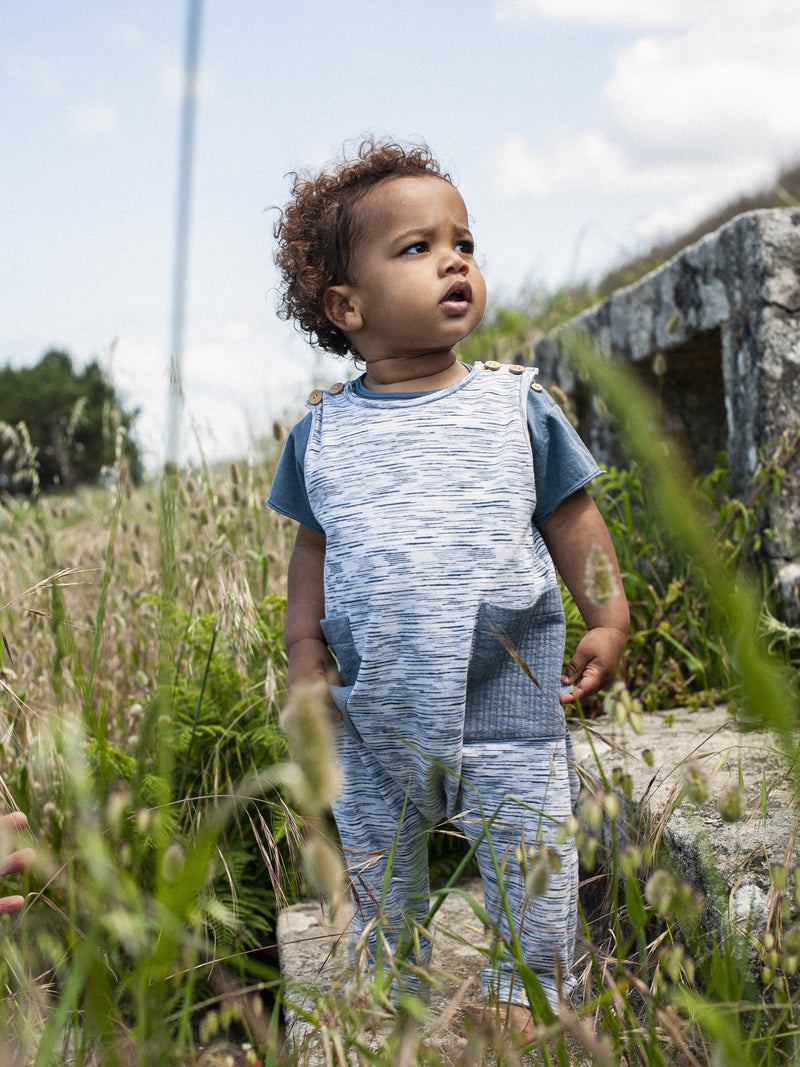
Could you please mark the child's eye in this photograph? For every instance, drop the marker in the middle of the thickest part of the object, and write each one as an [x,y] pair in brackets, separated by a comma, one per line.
[467,247]
[416,248]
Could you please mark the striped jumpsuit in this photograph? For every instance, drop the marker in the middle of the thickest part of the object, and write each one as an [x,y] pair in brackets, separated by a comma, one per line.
[426,504]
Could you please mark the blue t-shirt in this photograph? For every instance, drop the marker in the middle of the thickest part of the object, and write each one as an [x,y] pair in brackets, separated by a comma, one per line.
[561,462]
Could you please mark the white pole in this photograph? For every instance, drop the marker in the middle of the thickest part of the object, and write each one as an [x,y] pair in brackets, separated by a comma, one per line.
[188,110]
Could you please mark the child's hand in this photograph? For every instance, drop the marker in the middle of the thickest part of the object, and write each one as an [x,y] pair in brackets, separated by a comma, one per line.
[594,663]
[311,661]
[12,862]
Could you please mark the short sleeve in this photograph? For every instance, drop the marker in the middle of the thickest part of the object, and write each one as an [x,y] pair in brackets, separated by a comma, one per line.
[562,464]
[288,493]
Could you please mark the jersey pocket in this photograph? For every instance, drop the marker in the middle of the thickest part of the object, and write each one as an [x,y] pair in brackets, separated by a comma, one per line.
[340,641]
[514,674]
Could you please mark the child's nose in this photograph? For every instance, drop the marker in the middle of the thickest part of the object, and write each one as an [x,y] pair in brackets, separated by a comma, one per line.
[454,262]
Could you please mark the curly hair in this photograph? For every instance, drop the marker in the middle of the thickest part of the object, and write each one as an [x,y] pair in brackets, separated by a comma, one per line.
[320,226]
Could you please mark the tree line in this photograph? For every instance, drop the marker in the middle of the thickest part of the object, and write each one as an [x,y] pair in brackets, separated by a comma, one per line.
[59,427]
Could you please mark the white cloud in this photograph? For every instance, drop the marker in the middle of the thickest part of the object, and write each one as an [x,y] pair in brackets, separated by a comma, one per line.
[699,109]
[568,163]
[93,121]
[629,13]
[635,14]
[590,161]
[126,34]
[677,217]
[235,380]
[708,79]
[37,73]
[711,91]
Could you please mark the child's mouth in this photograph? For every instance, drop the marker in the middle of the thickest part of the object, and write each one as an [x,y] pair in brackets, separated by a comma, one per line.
[459,296]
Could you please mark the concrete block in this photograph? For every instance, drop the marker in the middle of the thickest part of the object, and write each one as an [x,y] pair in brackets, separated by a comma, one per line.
[728,861]
[721,323]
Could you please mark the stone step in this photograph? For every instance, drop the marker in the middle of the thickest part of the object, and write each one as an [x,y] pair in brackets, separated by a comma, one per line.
[313,959]
[729,862]
[692,753]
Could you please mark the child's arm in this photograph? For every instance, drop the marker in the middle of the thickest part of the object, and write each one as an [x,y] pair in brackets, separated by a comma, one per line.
[571,535]
[309,658]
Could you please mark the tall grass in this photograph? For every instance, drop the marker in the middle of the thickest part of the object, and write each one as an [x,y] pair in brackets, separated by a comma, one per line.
[141,684]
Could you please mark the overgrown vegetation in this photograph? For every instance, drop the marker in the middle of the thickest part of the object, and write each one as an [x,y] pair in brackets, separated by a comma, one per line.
[783,192]
[136,649]
[141,683]
[673,658]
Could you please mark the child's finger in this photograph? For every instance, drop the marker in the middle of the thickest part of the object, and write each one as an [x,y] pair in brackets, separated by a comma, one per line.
[13,821]
[575,668]
[17,861]
[8,905]
[587,681]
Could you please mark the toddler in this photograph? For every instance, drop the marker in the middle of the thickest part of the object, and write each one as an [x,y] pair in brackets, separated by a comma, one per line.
[436,503]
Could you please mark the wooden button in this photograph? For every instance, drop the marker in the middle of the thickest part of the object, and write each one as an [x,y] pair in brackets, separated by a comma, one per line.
[515,368]
[337,388]
[536,387]
[492,364]
[315,397]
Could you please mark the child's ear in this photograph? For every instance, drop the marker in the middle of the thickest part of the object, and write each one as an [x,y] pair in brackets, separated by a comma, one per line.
[341,309]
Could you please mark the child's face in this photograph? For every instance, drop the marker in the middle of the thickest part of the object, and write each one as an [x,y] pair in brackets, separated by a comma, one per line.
[417,289]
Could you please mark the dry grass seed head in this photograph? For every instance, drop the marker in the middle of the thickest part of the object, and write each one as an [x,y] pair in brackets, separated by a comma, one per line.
[237,615]
[306,722]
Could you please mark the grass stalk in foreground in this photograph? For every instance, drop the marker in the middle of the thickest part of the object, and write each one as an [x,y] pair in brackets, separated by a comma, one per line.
[769,696]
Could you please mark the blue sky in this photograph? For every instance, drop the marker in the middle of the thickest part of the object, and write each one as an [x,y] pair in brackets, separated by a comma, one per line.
[577,130]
